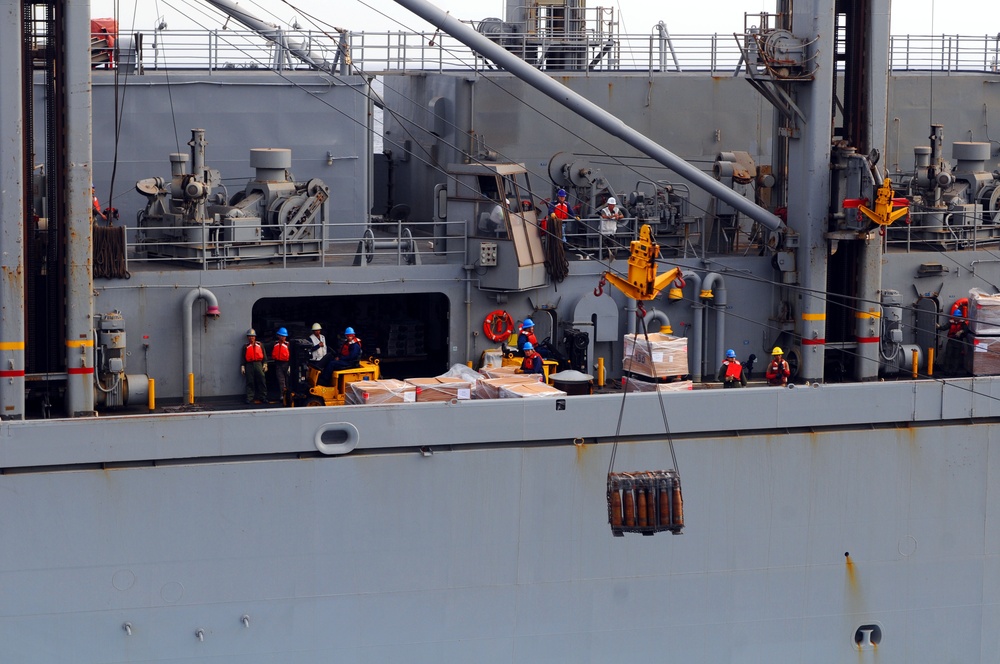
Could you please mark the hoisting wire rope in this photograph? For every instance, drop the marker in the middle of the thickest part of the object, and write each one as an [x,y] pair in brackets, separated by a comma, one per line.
[640,315]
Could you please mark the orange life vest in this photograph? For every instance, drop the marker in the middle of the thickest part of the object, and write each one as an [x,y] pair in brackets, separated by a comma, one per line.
[280,351]
[254,352]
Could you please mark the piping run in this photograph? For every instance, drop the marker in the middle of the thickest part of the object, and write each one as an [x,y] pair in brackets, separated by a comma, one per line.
[212,311]
[697,323]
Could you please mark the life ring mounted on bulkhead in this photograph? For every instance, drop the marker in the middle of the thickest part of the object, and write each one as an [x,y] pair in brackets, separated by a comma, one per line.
[961,304]
[498,325]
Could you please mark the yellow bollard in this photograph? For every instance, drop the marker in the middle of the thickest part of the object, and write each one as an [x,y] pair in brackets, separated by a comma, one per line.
[930,361]
[600,372]
[190,388]
[916,356]
[152,394]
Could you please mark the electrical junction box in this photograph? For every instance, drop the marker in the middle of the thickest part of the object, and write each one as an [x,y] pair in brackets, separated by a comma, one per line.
[488,254]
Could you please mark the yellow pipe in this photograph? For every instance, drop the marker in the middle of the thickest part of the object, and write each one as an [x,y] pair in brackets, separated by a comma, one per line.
[152,394]
[600,372]
[916,355]
[190,388]
[930,361]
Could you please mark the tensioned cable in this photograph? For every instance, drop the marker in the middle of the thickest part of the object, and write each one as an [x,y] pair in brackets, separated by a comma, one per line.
[663,408]
[427,160]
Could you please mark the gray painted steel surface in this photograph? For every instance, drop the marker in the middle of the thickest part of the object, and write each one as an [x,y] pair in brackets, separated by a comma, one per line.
[502,553]
[12,214]
[236,535]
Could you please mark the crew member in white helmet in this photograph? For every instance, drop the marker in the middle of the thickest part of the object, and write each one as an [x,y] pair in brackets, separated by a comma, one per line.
[317,343]
[610,216]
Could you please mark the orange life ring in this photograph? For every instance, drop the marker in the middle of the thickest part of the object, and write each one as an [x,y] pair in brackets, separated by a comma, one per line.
[498,325]
[961,303]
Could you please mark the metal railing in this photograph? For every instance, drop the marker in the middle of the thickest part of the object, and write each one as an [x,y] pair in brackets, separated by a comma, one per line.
[942,231]
[383,242]
[387,52]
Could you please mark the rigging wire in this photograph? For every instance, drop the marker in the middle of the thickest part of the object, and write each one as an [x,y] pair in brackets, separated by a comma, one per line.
[663,407]
[519,99]
[559,268]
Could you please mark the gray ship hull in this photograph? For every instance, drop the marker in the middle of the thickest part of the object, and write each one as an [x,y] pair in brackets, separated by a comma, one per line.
[863,511]
[824,522]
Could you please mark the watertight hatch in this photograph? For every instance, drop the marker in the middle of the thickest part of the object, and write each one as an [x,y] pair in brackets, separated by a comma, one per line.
[646,502]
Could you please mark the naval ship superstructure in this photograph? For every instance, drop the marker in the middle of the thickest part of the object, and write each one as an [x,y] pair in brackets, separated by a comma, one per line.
[847,516]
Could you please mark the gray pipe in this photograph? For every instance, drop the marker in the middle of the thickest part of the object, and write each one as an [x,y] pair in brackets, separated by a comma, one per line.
[654,315]
[212,311]
[587,109]
[719,303]
[697,323]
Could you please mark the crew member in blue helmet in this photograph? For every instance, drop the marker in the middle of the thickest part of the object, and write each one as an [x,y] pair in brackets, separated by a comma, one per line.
[347,358]
[526,335]
[532,363]
[957,345]
[731,372]
[280,356]
[555,221]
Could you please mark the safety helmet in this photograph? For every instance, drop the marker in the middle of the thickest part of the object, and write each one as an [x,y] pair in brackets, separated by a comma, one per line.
[529,346]
[316,327]
[956,313]
[251,332]
[527,323]
[612,201]
[282,332]
[349,330]
[561,192]
[777,351]
[730,353]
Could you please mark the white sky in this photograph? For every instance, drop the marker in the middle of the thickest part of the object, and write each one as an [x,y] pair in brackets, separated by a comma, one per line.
[636,16]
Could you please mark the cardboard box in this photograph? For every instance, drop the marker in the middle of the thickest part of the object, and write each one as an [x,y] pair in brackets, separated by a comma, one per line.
[984,313]
[984,360]
[663,355]
[371,392]
[441,388]
[489,388]
[634,385]
[528,390]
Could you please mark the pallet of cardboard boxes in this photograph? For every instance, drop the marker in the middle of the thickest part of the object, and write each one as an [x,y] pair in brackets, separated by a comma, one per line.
[659,356]
[984,326]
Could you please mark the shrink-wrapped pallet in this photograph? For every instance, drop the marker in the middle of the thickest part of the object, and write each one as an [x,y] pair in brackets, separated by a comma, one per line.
[984,313]
[984,360]
[528,390]
[492,358]
[489,388]
[501,372]
[372,392]
[663,355]
[441,388]
[635,385]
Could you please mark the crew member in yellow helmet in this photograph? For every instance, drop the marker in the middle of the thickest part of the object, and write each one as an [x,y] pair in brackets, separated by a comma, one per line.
[777,371]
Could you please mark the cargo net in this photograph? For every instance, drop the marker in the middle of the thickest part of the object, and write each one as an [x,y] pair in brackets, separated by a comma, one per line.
[646,502]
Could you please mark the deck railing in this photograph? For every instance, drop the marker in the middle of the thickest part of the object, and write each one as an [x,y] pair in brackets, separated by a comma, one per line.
[387,52]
